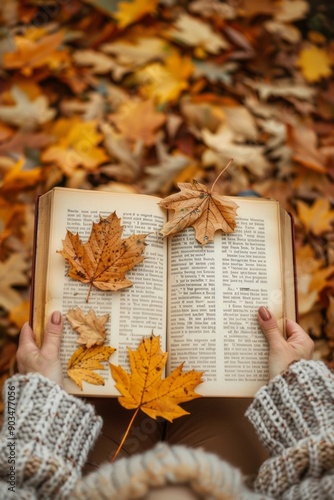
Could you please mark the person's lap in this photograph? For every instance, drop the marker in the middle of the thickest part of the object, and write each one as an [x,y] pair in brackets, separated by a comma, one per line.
[216,425]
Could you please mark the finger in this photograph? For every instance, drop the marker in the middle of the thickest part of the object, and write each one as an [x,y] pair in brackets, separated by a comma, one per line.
[26,338]
[268,325]
[53,334]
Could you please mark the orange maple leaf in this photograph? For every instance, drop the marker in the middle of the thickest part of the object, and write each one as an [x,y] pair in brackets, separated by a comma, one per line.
[317,218]
[83,361]
[197,206]
[144,389]
[105,258]
[91,328]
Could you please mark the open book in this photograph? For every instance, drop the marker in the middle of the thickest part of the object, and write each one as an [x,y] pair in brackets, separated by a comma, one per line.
[202,301]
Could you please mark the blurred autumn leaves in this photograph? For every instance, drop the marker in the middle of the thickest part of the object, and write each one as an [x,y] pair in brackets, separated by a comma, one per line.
[137,96]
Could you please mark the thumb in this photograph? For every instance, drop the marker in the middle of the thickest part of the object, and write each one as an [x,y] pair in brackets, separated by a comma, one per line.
[26,339]
[53,334]
[269,326]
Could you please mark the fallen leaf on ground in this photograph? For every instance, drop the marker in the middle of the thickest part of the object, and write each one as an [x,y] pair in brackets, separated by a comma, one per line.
[318,218]
[165,82]
[31,54]
[196,33]
[160,177]
[79,147]
[17,179]
[131,54]
[83,361]
[90,328]
[314,63]
[27,114]
[128,12]
[105,258]
[12,273]
[197,206]
[139,121]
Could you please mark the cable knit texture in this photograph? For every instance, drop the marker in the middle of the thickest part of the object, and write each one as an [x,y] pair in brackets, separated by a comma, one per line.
[294,418]
[129,478]
[54,433]
[293,415]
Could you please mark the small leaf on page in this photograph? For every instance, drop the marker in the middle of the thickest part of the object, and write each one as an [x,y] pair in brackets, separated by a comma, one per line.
[84,361]
[197,206]
[90,328]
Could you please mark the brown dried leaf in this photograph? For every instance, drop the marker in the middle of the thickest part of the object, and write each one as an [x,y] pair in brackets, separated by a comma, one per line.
[105,258]
[197,206]
[91,328]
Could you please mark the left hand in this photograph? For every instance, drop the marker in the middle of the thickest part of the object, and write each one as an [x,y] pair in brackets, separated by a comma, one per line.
[44,360]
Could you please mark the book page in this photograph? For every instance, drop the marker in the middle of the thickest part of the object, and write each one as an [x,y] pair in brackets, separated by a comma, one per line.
[134,312]
[214,294]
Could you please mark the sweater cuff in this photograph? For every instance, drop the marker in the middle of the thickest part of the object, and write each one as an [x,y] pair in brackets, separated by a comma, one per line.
[294,406]
[53,432]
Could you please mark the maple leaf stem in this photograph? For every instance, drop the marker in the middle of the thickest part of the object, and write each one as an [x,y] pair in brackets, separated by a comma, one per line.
[89,290]
[229,163]
[125,435]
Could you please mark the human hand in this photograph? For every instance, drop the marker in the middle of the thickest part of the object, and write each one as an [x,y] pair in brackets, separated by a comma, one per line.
[44,360]
[298,345]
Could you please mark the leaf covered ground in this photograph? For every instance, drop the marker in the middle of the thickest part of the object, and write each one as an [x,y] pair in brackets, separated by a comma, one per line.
[138,96]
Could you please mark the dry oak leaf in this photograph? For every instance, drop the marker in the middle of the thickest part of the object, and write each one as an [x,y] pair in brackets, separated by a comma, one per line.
[197,206]
[105,258]
[144,389]
[91,328]
[317,218]
[83,361]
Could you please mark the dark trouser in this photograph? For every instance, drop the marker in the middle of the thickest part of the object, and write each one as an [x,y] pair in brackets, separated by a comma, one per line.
[216,425]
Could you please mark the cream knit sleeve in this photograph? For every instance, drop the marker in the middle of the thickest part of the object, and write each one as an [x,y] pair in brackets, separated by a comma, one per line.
[294,418]
[50,433]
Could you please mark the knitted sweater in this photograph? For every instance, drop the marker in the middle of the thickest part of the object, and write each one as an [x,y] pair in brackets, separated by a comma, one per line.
[47,435]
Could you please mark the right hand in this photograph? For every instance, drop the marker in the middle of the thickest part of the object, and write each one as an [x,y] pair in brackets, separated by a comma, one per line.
[298,345]
[44,360]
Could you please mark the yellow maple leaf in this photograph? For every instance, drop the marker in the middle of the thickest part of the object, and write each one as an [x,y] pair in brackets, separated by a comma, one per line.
[317,218]
[83,361]
[105,258]
[145,389]
[76,148]
[314,63]
[165,82]
[130,12]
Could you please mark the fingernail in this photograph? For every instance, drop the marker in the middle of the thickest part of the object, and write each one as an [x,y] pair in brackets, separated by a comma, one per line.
[56,318]
[264,313]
